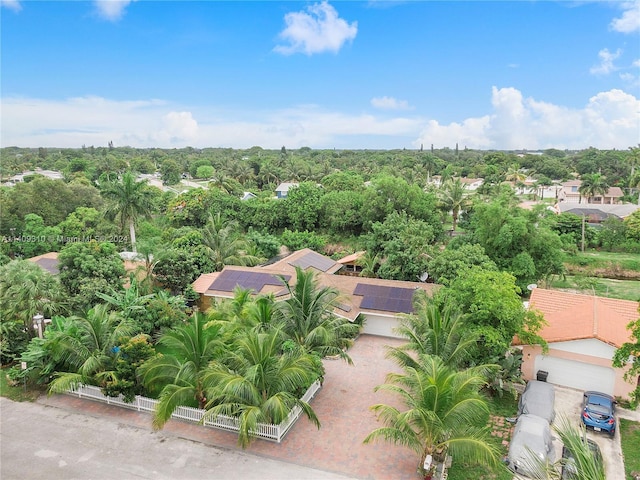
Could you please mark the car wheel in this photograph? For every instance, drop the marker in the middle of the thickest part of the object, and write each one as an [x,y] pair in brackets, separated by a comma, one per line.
[612,433]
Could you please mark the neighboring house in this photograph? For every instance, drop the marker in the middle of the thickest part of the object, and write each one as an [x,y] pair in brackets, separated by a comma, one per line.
[248,196]
[583,333]
[48,261]
[472,184]
[570,192]
[351,264]
[596,213]
[50,174]
[379,301]
[282,190]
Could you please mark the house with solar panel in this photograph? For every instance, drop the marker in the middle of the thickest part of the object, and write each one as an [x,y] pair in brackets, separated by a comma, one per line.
[380,302]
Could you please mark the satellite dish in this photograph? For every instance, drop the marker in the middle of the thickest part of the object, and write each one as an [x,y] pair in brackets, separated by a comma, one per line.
[532,286]
[423,277]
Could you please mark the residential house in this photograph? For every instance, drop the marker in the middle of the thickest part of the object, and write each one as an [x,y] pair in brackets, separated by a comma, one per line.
[351,264]
[248,196]
[570,192]
[50,174]
[47,261]
[583,333]
[282,190]
[596,213]
[380,302]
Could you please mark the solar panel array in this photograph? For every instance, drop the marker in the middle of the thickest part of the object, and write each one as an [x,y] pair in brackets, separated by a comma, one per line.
[388,299]
[230,279]
[314,260]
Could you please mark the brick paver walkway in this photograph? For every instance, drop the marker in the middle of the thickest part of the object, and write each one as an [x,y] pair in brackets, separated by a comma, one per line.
[342,406]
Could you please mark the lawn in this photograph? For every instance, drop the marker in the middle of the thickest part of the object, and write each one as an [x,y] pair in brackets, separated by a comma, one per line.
[596,259]
[603,287]
[500,408]
[630,438]
[17,393]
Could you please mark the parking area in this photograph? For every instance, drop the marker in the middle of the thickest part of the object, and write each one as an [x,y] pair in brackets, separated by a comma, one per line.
[569,405]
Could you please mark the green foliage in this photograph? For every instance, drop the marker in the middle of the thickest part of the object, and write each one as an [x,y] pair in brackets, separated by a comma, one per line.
[632,222]
[302,205]
[569,226]
[87,268]
[190,208]
[492,306]
[295,240]
[456,260]
[83,222]
[403,243]
[442,412]
[630,440]
[36,238]
[630,351]
[205,171]
[518,241]
[26,289]
[131,355]
[268,245]
[178,267]
[13,340]
[170,172]
[341,212]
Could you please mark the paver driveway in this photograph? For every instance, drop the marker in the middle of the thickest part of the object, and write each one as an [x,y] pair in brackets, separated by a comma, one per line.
[342,406]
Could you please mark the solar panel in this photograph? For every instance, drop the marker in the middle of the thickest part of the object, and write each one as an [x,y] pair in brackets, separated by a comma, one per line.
[315,260]
[388,299]
[228,280]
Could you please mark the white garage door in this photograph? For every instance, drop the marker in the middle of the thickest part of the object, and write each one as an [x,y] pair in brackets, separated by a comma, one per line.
[380,326]
[580,375]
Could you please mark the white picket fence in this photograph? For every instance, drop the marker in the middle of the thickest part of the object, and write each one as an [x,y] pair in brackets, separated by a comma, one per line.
[143,404]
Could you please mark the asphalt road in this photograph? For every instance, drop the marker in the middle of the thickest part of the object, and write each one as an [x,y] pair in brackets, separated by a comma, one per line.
[43,442]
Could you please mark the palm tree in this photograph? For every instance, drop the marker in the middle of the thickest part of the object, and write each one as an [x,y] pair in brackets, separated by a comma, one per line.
[128,200]
[26,290]
[89,349]
[634,183]
[224,245]
[309,319]
[452,198]
[178,373]
[259,383]
[369,264]
[444,412]
[584,464]
[593,184]
[433,330]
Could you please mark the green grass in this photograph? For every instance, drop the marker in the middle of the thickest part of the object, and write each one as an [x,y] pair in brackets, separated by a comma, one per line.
[603,287]
[17,393]
[598,259]
[630,438]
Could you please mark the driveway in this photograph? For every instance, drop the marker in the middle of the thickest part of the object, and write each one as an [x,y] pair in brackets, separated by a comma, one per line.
[569,404]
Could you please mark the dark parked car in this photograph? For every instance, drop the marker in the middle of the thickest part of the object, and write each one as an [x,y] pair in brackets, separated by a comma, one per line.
[569,467]
[598,412]
[538,399]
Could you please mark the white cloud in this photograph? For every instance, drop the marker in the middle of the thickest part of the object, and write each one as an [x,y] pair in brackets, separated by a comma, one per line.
[11,5]
[390,103]
[111,10]
[609,120]
[606,62]
[317,30]
[629,22]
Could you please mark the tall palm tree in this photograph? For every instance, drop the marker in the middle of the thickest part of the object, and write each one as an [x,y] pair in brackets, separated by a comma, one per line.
[259,383]
[634,183]
[452,198]
[593,184]
[309,319]
[433,330]
[224,244]
[178,373]
[26,290]
[89,349]
[444,413]
[128,200]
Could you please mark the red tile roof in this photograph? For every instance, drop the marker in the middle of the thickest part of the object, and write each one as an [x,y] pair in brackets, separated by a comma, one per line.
[572,316]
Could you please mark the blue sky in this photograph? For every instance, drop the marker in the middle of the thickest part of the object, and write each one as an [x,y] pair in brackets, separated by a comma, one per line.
[321,74]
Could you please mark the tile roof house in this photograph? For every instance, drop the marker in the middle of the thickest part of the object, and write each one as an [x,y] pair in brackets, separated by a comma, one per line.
[570,192]
[379,301]
[582,332]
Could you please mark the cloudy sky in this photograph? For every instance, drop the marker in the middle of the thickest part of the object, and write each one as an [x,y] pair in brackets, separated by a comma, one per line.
[321,74]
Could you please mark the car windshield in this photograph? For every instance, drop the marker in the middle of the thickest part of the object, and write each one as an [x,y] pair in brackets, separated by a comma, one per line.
[598,408]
